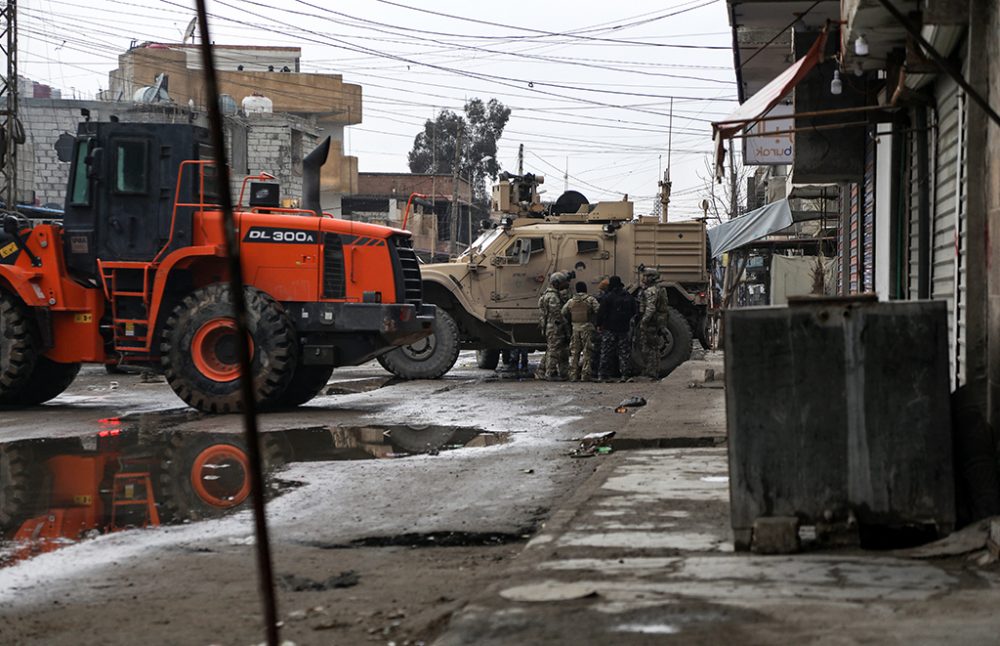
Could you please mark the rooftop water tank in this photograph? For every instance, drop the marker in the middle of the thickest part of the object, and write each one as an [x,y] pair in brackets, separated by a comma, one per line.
[257,104]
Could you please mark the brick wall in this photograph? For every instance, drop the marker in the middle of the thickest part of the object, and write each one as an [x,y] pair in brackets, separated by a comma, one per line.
[274,143]
[403,184]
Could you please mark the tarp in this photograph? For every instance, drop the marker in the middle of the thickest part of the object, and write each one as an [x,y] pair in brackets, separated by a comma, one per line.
[766,98]
[796,275]
[752,226]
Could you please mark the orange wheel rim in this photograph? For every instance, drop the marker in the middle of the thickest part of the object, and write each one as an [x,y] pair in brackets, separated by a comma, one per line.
[220,476]
[214,350]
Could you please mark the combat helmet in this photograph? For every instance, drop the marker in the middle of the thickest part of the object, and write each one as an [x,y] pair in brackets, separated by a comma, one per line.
[651,274]
[557,278]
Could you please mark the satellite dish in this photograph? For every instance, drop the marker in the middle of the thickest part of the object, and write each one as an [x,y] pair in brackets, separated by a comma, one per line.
[189,31]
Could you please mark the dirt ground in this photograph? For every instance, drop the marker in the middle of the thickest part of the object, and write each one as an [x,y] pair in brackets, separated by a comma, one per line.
[395,594]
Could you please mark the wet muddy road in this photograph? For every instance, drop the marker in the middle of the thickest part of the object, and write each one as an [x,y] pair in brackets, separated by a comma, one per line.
[393,502]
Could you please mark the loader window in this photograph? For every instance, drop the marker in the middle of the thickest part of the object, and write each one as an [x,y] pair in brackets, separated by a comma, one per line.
[587,246]
[131,166]
[80,193]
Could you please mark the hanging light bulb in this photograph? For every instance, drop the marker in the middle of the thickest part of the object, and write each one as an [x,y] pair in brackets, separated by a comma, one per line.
[836,87]
[861,46]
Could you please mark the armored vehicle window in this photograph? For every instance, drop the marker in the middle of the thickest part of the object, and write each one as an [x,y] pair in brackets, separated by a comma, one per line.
[536,245]
[587,246]
[131,171]
[80,193]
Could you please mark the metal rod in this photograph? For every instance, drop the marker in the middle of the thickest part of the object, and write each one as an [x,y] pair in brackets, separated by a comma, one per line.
[263,545]
[807,115]
[940,60]
[826,126]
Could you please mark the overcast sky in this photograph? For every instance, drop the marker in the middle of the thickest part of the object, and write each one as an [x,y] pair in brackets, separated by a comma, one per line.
[588,82]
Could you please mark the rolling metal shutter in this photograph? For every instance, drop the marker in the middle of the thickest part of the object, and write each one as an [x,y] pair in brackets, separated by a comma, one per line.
[948,280]
[868,220]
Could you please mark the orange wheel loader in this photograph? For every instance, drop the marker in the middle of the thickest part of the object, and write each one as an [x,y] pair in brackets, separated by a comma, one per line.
[134,273]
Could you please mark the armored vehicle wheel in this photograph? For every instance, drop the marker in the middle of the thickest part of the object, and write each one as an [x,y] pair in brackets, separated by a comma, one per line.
[428,358]
[488,359]
[200,357]
[674,346]
[306,383]
[205,475]
[18,349]
[48,379]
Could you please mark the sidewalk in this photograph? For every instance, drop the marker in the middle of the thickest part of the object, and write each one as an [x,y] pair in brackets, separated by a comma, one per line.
[642,554]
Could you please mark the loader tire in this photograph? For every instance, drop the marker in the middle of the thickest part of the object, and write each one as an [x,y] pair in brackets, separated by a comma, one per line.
[49,379]
[200,357]
[306,383]
[207,475]
[488,359]
[18,349]
[21,479]
[428,358]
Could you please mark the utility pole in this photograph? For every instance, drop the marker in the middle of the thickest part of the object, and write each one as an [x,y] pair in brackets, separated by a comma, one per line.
[665,183]
[733,187]
[455,212]
[8,115]
[566,176]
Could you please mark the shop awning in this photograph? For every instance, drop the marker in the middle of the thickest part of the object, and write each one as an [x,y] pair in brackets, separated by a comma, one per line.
[754,225]
[761,103]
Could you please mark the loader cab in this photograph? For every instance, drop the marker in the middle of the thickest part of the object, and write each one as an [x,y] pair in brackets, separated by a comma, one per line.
[121,190]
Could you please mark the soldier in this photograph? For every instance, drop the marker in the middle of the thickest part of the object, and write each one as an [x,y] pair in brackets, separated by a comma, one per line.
[613,320]
[555,362]
[654,308]
[581,310]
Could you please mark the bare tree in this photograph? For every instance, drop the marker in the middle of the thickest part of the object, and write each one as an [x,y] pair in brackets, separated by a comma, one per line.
[726,198]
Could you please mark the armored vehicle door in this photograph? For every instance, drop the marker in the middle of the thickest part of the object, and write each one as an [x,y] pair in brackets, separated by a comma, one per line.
[586,254]
[522,269]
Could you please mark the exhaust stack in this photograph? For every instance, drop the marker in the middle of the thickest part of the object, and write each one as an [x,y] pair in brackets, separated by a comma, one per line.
[312,169]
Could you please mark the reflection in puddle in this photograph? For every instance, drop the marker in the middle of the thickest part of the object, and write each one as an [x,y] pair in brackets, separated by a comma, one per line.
[135,474]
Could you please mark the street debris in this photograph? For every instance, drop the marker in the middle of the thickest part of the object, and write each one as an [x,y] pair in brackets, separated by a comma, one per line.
[630,402]
[971,539]
[296,583]
[594,444]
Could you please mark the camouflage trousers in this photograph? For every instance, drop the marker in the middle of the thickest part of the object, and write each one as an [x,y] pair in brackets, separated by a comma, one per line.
[581,341]
[615,353]
[555,363]
[650,345]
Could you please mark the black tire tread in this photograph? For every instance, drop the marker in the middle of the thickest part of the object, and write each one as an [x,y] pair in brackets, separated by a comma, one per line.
[18,349]
[265,315]
[443,359]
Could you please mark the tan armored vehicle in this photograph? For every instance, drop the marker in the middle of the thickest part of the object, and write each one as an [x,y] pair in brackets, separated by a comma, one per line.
[487,298]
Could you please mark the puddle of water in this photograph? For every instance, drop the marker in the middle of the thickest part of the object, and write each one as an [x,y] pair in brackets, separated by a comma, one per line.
[715,479]
[140,472]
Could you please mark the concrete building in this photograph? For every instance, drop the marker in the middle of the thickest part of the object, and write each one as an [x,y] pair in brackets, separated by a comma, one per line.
[382,198]
[166,80]
[324,100]
[915,160]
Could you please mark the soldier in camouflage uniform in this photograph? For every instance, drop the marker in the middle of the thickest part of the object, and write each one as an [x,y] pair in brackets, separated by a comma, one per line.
[581,310]
[555,363]
[654,307]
